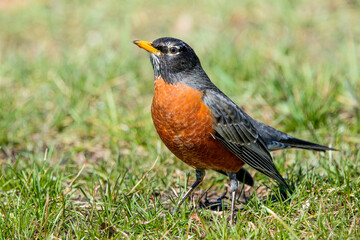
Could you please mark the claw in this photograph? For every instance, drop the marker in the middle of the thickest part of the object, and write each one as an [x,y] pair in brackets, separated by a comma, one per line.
[214,206]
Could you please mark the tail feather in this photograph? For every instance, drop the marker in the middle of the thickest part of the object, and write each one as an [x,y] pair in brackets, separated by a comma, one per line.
[298,143]
[276,139]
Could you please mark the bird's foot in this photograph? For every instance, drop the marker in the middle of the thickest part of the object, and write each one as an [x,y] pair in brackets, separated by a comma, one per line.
[214,206]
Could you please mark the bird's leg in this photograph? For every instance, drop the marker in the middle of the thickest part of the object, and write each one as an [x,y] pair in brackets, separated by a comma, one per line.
[233,190]
[200,174]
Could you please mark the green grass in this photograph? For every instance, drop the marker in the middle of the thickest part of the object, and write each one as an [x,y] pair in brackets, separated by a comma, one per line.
[80,157]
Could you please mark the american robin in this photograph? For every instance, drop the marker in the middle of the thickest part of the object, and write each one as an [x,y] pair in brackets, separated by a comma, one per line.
[203,127]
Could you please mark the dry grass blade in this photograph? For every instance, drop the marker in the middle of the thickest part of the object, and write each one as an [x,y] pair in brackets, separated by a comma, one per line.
[281,221]
[144,176]
[67,190]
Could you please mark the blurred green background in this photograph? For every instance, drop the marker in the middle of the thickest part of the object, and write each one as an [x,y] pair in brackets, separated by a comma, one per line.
[75,91]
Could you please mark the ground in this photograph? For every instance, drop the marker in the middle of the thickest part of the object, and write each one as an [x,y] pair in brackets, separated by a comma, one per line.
[80,157]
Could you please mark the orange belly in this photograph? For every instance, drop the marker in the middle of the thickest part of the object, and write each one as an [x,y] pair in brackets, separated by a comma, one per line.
[185,125]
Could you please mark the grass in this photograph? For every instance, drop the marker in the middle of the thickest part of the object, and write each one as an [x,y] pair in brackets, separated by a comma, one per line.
[80,157]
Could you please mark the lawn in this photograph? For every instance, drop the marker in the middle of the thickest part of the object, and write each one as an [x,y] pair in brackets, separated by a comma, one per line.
[80,158]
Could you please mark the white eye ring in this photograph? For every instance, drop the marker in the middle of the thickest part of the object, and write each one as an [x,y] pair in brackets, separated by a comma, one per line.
[173,50]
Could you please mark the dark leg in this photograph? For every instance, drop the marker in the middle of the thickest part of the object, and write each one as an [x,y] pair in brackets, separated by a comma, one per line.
[242,176]
[200,174]
[233,189]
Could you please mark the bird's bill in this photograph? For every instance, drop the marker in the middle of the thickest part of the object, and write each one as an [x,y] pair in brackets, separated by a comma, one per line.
[147,46]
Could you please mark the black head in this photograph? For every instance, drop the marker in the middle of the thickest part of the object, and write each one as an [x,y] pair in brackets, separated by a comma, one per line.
[177,55]
[170,58]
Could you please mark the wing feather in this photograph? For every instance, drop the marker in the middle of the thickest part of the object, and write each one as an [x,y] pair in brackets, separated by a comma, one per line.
[234,130]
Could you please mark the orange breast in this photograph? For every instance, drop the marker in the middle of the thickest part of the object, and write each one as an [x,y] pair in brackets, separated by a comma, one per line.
[185,125]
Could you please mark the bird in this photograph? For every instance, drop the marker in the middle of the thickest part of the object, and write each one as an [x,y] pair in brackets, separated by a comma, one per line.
[203,127]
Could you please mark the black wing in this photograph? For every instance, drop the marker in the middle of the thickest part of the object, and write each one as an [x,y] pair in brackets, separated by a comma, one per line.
[235,131]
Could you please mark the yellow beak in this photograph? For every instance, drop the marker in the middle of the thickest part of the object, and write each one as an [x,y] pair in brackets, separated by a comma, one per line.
[147,46]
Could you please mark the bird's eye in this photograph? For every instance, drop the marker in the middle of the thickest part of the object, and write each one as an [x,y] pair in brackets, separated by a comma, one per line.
[173,50]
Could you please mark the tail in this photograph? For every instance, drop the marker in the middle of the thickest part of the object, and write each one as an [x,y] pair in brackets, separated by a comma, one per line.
[298,143]
[242,176]
[276,139]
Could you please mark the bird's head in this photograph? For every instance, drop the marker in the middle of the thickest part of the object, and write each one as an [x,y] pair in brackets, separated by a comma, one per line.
[170,57]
